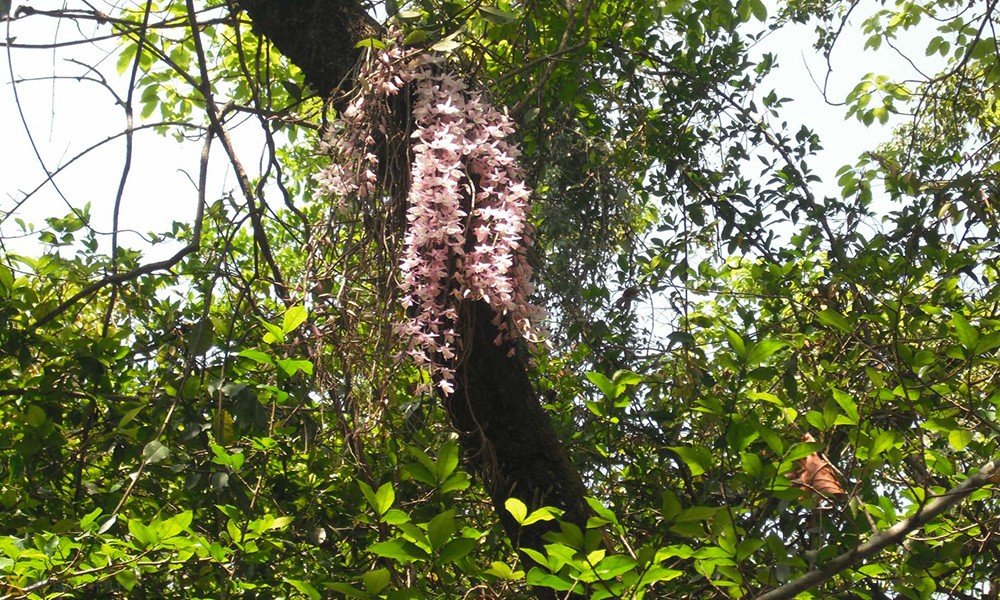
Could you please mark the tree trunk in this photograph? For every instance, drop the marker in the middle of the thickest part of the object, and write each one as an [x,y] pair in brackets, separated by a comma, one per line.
[506,435]
[319,36]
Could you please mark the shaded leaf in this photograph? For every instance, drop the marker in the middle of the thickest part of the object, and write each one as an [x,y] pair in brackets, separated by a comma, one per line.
[154,452]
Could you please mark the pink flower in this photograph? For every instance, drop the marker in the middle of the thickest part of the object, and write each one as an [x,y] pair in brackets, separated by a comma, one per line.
[459,139]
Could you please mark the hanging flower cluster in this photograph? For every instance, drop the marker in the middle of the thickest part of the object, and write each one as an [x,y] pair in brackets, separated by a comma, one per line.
[467,228]
[350,140]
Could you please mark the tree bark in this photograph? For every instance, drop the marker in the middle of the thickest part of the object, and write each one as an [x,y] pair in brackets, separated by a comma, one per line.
[506,435]
[318,36]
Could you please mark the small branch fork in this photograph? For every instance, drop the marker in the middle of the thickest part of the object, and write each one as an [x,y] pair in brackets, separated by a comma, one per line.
[988,473]
[117,278]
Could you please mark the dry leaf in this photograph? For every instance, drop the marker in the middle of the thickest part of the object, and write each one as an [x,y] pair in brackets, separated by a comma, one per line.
[817,475]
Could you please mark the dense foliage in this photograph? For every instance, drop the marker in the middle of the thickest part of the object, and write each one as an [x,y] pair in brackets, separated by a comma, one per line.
[236,420]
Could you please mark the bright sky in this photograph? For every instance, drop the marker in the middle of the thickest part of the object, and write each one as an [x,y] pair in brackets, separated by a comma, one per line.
[66,116]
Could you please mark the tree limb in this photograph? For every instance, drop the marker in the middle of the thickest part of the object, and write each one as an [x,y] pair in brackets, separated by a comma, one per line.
[988,473]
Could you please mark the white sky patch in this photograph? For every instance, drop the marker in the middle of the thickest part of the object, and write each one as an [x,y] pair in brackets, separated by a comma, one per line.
[65,117]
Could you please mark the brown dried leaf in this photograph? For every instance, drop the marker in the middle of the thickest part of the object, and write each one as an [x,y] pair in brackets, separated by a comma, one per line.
[818,475]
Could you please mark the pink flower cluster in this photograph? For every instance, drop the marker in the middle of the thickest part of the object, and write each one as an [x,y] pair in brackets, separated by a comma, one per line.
[350,141]
[467,206]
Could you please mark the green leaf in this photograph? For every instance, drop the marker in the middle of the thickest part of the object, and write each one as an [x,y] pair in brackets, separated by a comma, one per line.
[682,338]
[456,549]
[447,460]
[988,342]
[202,337]
[174,525]
[441,528]
[832,318]
[374,43]
[126,578]
[303,587]
[958,439]
[274,333]
[536,556]
[816,419]
[517,509]
[292,366]
[743,10]
[125,57]
[130,415]
[495,15]
[409,15]
[140,533]
[384,498]
[672,6]
[457,482]
[538,577]
[696,513]
[601,510]
[623,378]
[154,452]
[234,531]
[607,387]
[500,570]
[375,581]
[368,493]
[751,463]
[398,550]
[447,44]
[222,457]
[967,334]
[421,473]
[294,317]
[417,36]
[35,416]
[697,458]
[545,513]
[766,397]
[257,356]
[883,441]
[90,519]
[736,343]
[395,516]
[763,350]
[415,534]
[613,566]
[6,278]
[657,573]
[848,404]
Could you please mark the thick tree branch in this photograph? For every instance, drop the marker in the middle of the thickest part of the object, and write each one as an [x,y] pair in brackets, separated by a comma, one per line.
[319,36]
[989,473]
[507,435]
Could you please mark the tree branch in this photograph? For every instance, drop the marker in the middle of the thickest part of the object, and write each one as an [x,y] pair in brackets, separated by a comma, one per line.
[988,473]
[121,277]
